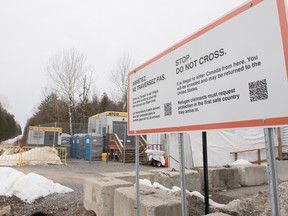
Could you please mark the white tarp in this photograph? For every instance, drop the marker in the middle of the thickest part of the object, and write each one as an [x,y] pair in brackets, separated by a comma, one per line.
[173,151]
[219,144]
[156,155]
[284,139]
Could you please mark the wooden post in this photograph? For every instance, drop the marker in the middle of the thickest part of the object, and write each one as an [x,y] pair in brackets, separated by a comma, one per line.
[259,157]
[280,154]
[236,156]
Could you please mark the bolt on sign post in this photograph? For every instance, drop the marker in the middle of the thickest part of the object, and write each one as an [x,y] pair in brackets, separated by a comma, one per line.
[233,73]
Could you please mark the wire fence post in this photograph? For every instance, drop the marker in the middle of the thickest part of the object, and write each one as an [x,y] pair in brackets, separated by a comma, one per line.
[54,134]
[272,171]
[124,139]
[205,171]
[137,176]
[20,157]
[182,173]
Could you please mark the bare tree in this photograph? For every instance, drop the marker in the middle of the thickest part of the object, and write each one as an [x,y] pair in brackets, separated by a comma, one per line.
[4,102]
[86,83]
[119,77]
[66,71]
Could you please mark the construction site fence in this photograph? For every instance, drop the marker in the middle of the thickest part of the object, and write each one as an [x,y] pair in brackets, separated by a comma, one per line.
[30,155]
[77,128]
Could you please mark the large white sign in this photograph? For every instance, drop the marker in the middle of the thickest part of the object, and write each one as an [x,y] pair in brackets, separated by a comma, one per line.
[231,74]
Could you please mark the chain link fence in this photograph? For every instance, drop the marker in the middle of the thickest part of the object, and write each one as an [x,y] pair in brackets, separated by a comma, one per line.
[88,141]
[77,128]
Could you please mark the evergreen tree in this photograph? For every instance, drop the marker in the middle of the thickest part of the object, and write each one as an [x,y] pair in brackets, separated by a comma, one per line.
[105,103]
[9,128]
[50,110]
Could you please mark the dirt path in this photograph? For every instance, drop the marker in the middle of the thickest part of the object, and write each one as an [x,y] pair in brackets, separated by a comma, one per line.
[78,170]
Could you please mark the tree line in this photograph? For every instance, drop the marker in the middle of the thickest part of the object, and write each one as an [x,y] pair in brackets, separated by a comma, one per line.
[54,109]
[9,128]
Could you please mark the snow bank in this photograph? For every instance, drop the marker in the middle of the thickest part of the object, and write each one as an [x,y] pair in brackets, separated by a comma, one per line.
[42,155]
[8,177]
[27,187]
[12,141]
[211,202]
[240,162]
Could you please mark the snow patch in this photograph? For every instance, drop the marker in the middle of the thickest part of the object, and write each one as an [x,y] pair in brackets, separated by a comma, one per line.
[177,191]
[240,162]
[211,202]
[27,187]
[11,142]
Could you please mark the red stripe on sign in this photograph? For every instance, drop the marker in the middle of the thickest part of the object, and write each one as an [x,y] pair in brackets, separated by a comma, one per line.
[223,125]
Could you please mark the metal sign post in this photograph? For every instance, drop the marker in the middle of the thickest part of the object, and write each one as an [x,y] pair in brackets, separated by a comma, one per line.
[54,134]
[272,171]
[90,144]
[124,139]
[182,174]
[205,171]
[137,176]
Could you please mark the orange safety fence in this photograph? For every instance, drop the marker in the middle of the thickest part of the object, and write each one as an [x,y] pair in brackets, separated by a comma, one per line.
[31,155]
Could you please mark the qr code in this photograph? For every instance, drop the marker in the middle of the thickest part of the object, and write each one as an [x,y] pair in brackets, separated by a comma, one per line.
[258,90]
[167,109]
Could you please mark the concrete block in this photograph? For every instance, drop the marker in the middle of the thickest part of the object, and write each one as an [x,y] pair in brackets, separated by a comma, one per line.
[221,178]
[99,194]
[153,202]
[282,168]
[252,175]
[170,178]
[130,176]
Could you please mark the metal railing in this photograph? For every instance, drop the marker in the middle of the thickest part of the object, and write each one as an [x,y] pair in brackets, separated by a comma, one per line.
[9,155]
[16,155]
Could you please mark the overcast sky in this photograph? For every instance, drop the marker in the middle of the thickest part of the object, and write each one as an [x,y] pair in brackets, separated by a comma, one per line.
[32,31]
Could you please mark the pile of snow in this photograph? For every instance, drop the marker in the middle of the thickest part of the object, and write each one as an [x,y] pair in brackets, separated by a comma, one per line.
[240,162]
[12,142]
[211,202]
[27,187]
[177,191]
[41,155]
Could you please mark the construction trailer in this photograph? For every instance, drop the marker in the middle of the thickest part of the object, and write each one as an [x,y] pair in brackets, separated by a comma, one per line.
[113,127]
[108,123]
[45,136]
